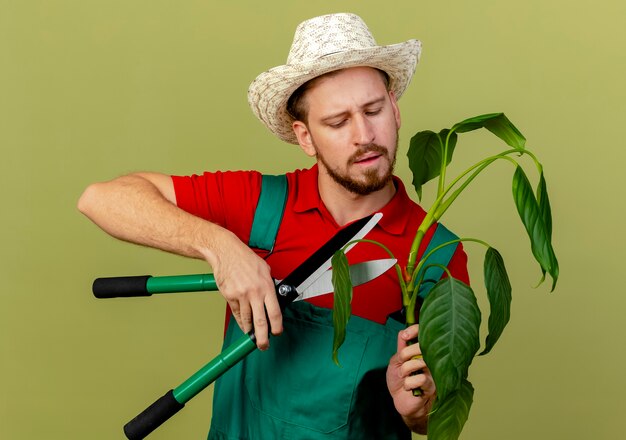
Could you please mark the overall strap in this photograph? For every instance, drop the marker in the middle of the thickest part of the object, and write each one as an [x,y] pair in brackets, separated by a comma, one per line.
[441,256]
[269,212]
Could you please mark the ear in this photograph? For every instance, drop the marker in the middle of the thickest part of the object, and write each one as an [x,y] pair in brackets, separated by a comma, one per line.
[304,138]
[396,109]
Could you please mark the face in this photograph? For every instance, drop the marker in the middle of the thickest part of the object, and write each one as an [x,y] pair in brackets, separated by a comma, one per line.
[352,129]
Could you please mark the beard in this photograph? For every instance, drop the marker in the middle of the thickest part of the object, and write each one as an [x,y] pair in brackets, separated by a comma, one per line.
[370,181]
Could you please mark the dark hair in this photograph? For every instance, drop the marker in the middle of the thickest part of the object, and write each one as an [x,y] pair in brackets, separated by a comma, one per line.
[296,105]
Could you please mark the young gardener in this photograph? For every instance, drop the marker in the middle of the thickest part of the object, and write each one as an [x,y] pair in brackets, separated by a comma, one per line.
[337,99]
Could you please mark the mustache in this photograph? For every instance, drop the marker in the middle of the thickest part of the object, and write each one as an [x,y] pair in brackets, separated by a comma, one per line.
[367,149]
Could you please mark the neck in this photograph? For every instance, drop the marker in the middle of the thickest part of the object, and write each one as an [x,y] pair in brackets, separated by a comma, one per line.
[346,206]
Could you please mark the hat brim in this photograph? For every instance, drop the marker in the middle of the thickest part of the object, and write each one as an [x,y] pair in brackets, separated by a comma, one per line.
[269,92]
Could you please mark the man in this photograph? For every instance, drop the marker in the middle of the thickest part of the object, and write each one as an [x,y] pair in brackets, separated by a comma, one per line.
[337,99]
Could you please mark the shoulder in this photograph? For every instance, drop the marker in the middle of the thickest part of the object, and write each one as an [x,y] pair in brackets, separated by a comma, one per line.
[198,185]
[218,196]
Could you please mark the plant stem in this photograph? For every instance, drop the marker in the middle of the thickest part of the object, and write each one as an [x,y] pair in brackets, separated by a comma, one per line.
[440,206]
[414,283]
[410,311]
[421,231]
[483,164]
[435,212]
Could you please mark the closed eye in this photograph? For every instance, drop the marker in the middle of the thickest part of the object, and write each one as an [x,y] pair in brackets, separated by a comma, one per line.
[338,124]
[373,112]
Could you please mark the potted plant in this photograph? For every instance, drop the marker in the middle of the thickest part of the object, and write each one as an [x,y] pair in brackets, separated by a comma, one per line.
[450,316]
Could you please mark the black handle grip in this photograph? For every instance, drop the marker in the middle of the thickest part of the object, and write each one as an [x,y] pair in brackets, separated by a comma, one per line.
[121,287]
[153,417]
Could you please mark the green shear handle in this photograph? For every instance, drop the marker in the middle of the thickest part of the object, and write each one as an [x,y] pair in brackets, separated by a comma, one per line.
[174,400]
[146,285]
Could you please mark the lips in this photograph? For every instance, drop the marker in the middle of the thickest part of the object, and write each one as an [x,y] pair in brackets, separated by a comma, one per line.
[367,158]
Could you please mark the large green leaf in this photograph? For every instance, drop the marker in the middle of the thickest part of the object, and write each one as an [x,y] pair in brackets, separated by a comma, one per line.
[449,326]
[498,124]
[533,219]
[450,414]
[425,156]
[499,292]
[342,308]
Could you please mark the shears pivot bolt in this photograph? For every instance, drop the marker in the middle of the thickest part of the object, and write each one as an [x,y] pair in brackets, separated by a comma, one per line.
[284,290]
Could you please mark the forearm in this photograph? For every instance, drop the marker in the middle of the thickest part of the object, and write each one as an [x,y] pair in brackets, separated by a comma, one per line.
[141,209]
[134,209]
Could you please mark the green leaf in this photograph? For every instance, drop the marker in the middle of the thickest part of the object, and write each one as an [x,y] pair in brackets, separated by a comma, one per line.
[546,212]
[425,156]
[499,292]
[544,204]
[342,300]
[450,414]
[449,326]
[498,124]
[533,219]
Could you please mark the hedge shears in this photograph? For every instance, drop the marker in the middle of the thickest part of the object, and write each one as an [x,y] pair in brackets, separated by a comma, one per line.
[310,279]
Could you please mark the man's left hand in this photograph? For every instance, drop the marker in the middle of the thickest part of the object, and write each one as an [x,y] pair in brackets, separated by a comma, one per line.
[401,382]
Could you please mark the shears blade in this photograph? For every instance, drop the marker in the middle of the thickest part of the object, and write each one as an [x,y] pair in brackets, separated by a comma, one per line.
[314,267]
[360,273]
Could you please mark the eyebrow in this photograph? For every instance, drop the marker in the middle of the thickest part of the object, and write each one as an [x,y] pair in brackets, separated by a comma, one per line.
[345,112]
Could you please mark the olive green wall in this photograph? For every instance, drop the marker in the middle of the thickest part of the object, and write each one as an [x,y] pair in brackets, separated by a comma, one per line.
[93,89]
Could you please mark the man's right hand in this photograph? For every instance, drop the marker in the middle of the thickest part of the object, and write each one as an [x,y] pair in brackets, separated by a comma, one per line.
[244,279]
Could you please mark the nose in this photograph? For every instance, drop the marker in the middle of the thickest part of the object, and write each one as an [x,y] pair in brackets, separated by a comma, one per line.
[363,131]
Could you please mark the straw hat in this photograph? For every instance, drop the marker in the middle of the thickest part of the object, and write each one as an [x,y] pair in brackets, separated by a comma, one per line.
[321,45]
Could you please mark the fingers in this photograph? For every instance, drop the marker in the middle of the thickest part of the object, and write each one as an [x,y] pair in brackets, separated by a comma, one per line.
[251,309]
[412,369]
[243,315]
[423,382]
[410,332]
[244,280]
[413,365]
[274,314]
[407,346]
[265,306]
